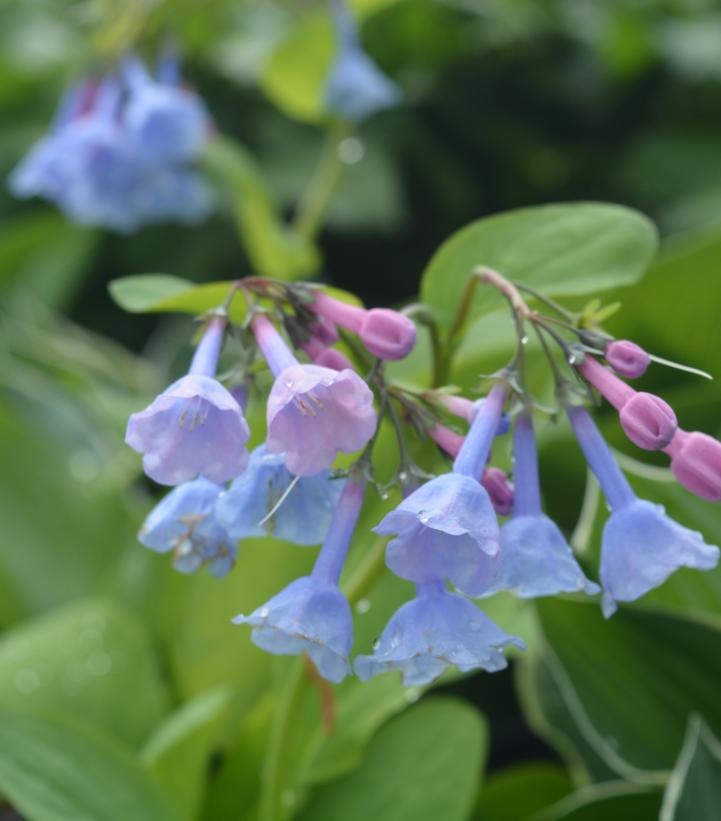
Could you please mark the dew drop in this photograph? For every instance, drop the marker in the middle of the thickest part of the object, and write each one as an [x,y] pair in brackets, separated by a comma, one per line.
[376,644]
[524,340]
[351,150]
[412,694]
[264,612]
[362,606]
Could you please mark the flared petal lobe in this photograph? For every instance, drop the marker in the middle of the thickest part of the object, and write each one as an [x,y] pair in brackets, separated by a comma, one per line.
[308,616]
[195,427]
[642,547]
[435,631]
[314,413]
[445,529]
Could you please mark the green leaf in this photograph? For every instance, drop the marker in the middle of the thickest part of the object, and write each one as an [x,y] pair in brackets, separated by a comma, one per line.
[693,792]
[601,802]
[52,770]
[562,250]
[657,670]
[179,751]
[89,660]
[516,793]
[423,765]
[273,249]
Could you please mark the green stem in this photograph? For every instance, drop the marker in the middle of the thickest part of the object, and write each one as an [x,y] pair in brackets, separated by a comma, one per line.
[317,196]
[424,316]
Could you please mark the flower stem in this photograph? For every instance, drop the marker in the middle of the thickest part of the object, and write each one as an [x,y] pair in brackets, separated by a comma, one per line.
[317,196]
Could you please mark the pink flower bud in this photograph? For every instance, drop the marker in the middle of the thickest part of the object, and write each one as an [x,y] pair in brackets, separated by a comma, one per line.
[648,421]
[500,489]
[335,360]
[325,331]
[696,463]
[387,334]
[627,358]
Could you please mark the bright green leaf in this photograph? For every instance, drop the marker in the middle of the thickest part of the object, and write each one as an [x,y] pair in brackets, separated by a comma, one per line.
[51,770]
[563,250]
[422,766]
[90,660]
[602,802]
[693,792]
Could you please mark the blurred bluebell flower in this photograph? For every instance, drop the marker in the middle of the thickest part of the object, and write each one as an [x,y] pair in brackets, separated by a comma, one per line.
[447,529]
[535,559]
[196,426]
[167,122]
[303,516]
[641,545]
[311,615]
[432,632]
[356,87]
[184,522]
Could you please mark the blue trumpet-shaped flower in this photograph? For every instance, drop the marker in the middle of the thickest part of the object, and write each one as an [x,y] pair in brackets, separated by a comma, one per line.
[300,514]
[311,615]
[641,545]
[447,529]
[535,559]
[432,632]
[356,87]
[184,522]
[195,427]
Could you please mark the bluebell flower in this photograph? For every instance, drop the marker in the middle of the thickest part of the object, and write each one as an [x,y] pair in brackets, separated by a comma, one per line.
[167,122]
[303,516]
[432,632]
[535,558]
[184,522]
[447,529]
[196,426]
[311,615]
[173,193]
[641,545]
[356,87]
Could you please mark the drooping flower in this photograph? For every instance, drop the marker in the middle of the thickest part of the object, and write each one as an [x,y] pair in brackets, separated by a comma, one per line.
[313,412]
[646,419]
[185,523]
[195,427]
[696,463]
[356,87]
[311,615]
[535,559]
[627,358]
[432,632]
[500,490]
[447,528]
[641,545]
[303,516]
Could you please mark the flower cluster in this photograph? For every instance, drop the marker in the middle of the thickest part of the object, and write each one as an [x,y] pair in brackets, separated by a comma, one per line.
[120,152]
[445,535]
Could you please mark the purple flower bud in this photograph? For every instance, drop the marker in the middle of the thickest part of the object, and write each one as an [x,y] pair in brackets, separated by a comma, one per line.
[313,412]
[312,615]
[627,358]
[696,463]
[333,359]
[184,522]
[500,490]
[433,631]
[648,421]
[387,334]
[195,427]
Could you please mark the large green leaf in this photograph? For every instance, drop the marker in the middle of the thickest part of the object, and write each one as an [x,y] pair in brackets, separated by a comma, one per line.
[632,681]
[51,770]
[603,801]
[273,249]
[423,765]
[563,250]
[89,660]
[517,793]
[693,792]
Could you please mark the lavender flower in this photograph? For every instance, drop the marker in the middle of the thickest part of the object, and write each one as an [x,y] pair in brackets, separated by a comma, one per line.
[356,87]
[432,632]
[185,522]
[447,528]
[303,516]
[195,426]
[641,545]
[313,412]
[311,615]
[535,558]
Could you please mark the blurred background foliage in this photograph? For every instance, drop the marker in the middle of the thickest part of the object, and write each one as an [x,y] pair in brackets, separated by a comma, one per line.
[125,693]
